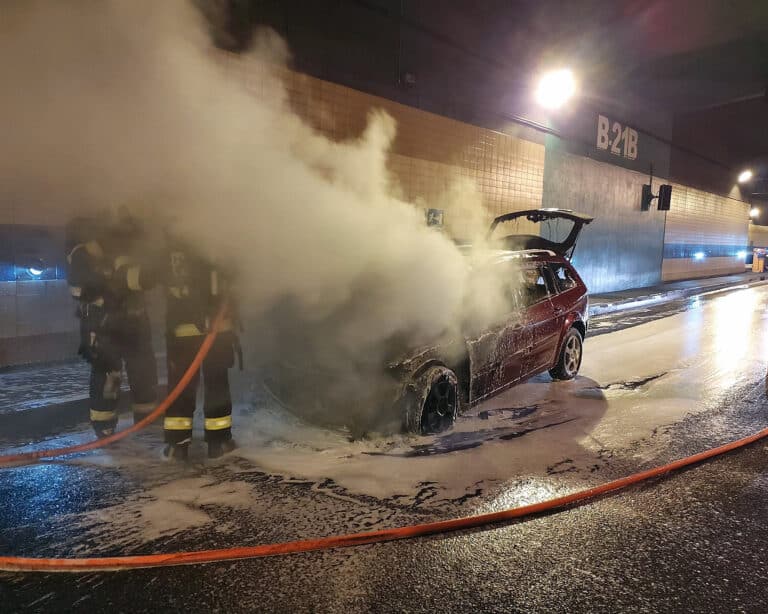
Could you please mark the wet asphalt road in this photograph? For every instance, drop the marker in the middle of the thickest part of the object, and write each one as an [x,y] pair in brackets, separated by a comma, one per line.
[619,320]
[694,542]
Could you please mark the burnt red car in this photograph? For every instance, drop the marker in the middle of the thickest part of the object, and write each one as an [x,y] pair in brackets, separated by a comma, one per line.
[543,331]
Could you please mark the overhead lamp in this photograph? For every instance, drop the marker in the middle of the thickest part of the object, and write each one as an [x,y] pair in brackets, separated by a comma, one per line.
[745,175]
[699,256]
[754,212]
[555,88]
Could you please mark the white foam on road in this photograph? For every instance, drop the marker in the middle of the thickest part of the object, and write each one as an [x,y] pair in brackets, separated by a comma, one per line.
[690,360]
[165,511]
[695,358]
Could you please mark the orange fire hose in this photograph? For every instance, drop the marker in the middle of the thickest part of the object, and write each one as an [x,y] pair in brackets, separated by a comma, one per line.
[117,563]
[194,367]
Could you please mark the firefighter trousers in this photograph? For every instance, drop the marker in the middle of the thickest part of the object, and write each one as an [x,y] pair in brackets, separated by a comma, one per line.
[130,344]
[217,401]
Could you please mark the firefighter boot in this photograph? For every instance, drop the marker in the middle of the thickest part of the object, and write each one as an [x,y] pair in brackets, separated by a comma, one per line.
[176,451]
[104,390]
[103,428]
[217,449]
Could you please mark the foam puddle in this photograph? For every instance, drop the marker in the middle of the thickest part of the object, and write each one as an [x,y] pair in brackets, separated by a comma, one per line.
[622,398]
[494,443]
[165,511]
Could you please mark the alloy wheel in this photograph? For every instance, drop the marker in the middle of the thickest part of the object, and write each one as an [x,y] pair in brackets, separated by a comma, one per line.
[439,409]
[572,354]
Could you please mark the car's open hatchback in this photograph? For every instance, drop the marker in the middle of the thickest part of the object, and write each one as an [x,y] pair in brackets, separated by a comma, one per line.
[558,230]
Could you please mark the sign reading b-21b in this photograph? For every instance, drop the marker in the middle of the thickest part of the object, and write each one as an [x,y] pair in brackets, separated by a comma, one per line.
[619,140]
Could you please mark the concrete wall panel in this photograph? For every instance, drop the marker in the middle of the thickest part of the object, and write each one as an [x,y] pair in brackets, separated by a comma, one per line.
[623,247]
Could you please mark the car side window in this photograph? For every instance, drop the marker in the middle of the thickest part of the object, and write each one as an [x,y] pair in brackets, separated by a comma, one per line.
[534,286]
[562,276]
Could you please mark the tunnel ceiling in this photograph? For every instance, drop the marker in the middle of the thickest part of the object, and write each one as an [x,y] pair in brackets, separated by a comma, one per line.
[685,54]
[682,57]
[679,55]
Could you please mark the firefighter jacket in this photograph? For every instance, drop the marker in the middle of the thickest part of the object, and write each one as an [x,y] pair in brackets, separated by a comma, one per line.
[195,292]
[88,266]
[104,268]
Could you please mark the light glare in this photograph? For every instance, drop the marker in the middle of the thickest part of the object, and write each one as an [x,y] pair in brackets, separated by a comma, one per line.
[741,254]
[699,255]
[34,271]
[754,212]
[745,176]
[555,88]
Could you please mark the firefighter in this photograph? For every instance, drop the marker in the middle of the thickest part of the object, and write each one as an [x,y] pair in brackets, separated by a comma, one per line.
[108,284]
[195,292]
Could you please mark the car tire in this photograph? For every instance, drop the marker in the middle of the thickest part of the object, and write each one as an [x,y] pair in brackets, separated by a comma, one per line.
[431,401]
[569,361]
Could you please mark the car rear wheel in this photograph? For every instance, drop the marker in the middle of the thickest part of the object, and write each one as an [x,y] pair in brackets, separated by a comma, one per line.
[569,361]
[431,401]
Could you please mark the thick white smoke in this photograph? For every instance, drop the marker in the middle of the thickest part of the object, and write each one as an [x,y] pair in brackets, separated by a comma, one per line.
[126,101]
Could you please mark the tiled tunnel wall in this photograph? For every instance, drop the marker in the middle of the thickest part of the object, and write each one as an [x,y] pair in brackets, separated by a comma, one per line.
[623,248]
[704,234]
[437,162]
[37,320]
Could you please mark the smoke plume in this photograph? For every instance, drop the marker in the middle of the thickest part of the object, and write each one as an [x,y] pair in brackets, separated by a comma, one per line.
[108,102]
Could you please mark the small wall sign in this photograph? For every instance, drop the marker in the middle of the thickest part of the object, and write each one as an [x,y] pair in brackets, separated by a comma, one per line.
[617,139]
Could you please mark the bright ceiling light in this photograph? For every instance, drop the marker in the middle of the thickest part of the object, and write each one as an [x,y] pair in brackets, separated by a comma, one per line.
[699,256]
[555,88]
[754,212]
[745,176]
[741,254]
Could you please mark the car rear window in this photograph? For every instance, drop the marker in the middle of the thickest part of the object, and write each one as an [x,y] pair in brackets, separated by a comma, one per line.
[563,278]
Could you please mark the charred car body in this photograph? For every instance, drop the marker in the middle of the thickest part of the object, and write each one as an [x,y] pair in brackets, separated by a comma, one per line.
[543,331]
